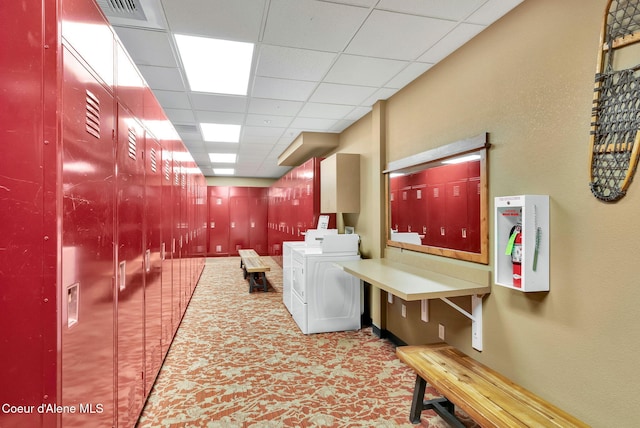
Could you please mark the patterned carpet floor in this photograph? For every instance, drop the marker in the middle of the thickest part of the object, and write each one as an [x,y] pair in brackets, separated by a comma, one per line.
[239,360]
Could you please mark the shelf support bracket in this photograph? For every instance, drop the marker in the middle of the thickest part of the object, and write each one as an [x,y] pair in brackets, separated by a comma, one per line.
[475,316]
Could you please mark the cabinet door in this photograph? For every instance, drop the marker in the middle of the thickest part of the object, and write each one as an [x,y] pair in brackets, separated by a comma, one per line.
[218,224]
[473,215]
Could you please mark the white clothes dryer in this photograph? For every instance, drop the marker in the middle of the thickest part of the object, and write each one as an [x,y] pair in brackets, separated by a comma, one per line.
[324,297]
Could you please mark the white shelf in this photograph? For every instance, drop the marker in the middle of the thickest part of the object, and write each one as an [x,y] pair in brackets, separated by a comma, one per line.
[532,212]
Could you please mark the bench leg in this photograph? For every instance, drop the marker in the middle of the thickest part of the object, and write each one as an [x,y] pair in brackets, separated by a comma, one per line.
[254,281]
[443,407]
[416,403]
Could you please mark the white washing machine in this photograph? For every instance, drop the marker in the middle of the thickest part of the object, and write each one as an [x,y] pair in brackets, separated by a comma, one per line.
[324,297]
[313,238]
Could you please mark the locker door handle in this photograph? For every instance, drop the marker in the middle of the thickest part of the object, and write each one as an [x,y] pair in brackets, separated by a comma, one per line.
[122,275]
[464,232]
[442,231]
[147,261]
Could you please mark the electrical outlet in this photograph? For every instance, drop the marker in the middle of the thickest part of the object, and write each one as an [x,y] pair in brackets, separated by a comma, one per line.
[441,331]
[404,311]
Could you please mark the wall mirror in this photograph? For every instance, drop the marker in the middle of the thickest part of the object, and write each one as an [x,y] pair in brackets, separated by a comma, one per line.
[437,201]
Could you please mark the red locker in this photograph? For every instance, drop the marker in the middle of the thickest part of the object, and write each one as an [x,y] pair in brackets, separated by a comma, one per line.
[130,267]
[166,248]
[76,206]
[87,253]
[238,219]
[218,224]
[436,217]
[258,215]
[28,261]
[153,281]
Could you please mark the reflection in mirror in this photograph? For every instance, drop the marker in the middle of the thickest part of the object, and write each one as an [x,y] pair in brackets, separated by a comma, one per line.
[439,206]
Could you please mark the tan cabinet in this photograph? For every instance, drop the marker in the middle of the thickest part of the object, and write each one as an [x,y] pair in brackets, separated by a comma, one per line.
[340,183]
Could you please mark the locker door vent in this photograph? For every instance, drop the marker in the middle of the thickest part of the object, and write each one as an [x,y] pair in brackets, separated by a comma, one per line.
[177,175]
[153,160]
[132,143]
[93,115]
[167,170]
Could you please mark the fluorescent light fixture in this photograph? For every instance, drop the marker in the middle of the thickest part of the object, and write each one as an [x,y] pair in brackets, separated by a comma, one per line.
[224,171]
[217,66]
[462,159]
[223,157]
[220,133]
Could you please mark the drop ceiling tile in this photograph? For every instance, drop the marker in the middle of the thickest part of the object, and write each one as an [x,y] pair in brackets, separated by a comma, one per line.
[357,113]
[452,41]
[263,131]
[172,99]
[274,107]
[331,93]
[455,10]
[380,94]
[293,63]
[253,151]
[363,71]
[294,90]
[325,111]
[492,11]
[408,75]
[219,117]
[163,78]
[397,36]
[312,24]
[341,125]
[238,20]
[212,147]
[268,120]
[180,116]
[148,47]
[312,124]
[234,104]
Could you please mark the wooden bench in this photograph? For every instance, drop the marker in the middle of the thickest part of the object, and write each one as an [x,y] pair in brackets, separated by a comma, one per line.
[489,398]
[255,268]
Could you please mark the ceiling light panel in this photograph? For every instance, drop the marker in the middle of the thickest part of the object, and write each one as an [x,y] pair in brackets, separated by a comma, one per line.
[220,133]
[216,66]
[223,157]
[224,171]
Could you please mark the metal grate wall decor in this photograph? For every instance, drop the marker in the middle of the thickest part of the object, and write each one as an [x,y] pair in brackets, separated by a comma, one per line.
[615,125]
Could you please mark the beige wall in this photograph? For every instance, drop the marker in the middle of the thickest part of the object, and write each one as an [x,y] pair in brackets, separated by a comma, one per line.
[240,182]
[528,81]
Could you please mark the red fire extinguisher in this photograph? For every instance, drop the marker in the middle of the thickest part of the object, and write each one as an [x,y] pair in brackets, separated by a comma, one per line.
[516,254]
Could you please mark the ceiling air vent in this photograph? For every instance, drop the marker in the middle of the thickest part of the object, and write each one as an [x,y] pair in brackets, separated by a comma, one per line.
[131,9]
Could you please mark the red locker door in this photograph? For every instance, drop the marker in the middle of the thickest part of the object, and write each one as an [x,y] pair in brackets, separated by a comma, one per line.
[258,211]
[218,221]
[473,215]
[130,267]
[436,228]
[238,219]
[153,261]
[176,240]
[87,318]
[456,215]
[167,270]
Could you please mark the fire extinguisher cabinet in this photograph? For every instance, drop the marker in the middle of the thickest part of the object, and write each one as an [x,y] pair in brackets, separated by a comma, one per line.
[522,254]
